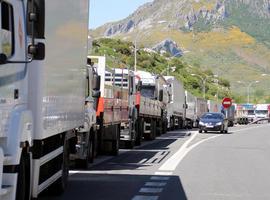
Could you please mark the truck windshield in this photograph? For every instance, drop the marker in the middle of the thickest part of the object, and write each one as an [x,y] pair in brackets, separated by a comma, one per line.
[148,91]
[251,112]
[261,112]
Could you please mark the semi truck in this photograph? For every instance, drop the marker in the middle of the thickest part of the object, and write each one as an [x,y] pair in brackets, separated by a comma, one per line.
[125,79]
[245,113]
[230,114]
[190,110]
[176,105]
[113,107]
[153,98]
[43,74]
[261,111]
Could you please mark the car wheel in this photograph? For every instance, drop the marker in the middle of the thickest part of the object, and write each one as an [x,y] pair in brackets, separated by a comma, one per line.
[226,131]
[200,131]
[205,131]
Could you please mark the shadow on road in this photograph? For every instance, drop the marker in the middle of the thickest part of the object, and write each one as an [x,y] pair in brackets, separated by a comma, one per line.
[150,154]
[85,186]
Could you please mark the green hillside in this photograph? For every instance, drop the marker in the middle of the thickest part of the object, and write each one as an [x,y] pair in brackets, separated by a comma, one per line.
[229,37]
[121,54]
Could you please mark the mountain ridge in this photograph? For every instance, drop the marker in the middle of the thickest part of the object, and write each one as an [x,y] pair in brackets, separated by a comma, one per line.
[231,37]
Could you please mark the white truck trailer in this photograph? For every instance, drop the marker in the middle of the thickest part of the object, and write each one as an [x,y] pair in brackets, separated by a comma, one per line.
[176,106]
[43,49]
[153,98]
[190,112]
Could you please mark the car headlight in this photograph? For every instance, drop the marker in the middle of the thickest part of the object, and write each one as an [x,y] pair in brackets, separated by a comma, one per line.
[219,123]
[201,123]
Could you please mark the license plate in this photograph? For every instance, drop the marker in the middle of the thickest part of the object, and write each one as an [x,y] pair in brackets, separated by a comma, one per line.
[209,126]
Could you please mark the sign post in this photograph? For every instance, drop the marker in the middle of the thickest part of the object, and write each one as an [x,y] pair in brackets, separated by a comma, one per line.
[226,103]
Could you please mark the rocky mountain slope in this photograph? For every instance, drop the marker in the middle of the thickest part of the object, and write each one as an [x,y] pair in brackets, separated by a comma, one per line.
[231,37]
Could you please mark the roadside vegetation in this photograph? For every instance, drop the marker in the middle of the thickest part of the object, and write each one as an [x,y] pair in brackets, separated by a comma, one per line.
[121,54]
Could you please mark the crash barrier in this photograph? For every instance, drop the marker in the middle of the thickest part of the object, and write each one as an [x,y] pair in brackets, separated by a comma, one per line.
[264,120]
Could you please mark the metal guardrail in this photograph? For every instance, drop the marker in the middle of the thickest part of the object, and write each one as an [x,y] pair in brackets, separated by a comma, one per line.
[260,120]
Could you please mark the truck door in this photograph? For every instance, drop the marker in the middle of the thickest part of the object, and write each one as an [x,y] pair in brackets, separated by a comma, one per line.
[12,46]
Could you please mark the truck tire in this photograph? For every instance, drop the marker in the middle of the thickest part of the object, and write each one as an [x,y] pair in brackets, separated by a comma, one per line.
[129,144]
[60,185]
[139,130]
[23,181]
[84,163]
[115,143]
[153,129]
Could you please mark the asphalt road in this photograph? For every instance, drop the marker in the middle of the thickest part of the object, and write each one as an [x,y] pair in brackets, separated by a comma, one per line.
[181,165]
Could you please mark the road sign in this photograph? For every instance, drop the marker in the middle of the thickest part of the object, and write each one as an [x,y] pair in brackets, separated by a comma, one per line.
[226,102]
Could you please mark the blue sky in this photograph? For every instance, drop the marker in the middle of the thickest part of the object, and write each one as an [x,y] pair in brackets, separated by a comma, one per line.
[103,11]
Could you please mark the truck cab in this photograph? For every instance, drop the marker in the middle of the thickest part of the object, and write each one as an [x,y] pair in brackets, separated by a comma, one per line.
[261,111]
[42,93]
[153,104]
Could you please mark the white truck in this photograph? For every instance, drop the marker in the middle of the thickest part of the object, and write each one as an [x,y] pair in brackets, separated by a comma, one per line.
[112,107]
[153,98]
[190,112]
[262,111]
[43,52]
[176,105]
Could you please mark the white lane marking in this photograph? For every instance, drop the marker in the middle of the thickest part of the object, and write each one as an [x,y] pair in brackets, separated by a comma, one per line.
[163,173]
[141,197]
[143,160]
[151,190]
[71,172]
[249,128]
[172,162]
[155,184]
[159,178]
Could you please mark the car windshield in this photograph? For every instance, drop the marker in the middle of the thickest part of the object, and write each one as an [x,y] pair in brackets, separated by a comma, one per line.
[212,116]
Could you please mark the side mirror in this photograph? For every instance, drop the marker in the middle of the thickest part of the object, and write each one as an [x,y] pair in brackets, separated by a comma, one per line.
[95,94]
[96,82]
[160,95]
[3,59]
[38,51]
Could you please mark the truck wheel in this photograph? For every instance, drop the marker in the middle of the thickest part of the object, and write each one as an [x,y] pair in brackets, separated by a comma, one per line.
[89,158]
[60,185]
[129,144]
[153,129]
[23,181]
[115,143]
[139,130]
